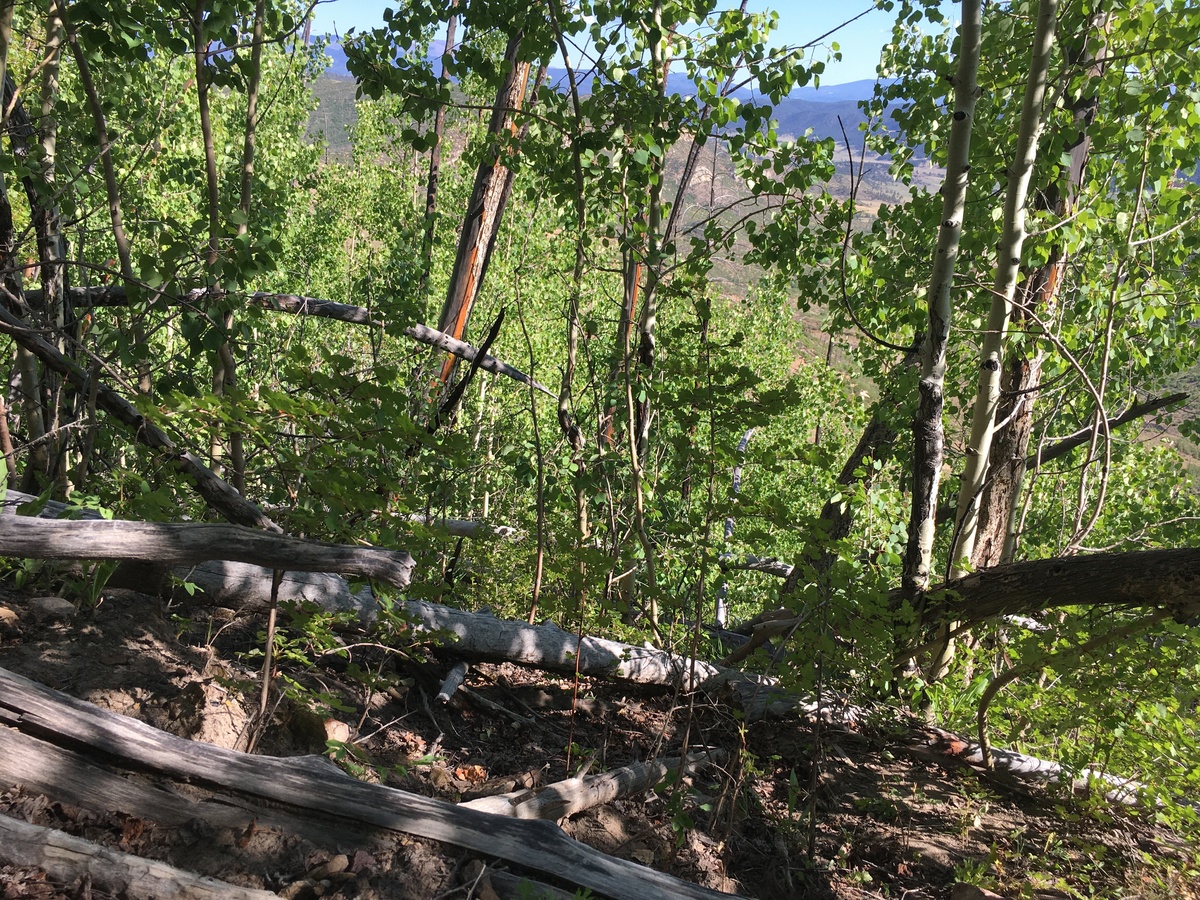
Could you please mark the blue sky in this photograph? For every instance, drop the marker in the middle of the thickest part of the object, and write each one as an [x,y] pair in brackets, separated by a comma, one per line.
[800,21]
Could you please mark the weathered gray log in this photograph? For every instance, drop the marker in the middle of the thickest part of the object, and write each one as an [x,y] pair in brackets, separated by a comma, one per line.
[943,746]
[175,544]
[221,582]
[115,295]
[452,682]
[547,646]
[565,798]
[218,494]
[65,859]
[42,767]
[1159,579]
[312,783]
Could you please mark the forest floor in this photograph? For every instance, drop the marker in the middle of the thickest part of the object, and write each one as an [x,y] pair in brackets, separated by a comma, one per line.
[878,824]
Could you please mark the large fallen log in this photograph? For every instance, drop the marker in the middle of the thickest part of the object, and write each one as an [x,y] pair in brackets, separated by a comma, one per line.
[314,785]
[66,859]
[186,543]
[547,646]
[1153,579]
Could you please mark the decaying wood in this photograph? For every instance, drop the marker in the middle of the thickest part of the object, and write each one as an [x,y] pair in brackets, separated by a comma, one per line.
[220,582]
[565,798]
[65,859]
[463,350]
[184,543]
[1161,579]
[943,746]
[219,494]
[479,636]
[315,785]
[453,682]
[751,563]
[761,634]
[40,766]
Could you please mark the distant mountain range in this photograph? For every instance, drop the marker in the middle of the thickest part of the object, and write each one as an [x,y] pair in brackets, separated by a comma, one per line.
[807,107]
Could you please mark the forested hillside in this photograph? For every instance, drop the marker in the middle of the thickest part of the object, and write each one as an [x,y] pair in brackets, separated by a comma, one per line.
[832,450]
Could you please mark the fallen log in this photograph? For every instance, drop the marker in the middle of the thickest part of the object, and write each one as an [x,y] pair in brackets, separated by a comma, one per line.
[67,859]
[547,646]
[314,785]
[40,766]
[452,682]
[934,744]
[185,543]
[565,798]
[1154,579]
[220,582]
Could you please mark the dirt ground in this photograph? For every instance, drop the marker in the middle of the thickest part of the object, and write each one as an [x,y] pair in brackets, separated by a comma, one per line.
[792,812]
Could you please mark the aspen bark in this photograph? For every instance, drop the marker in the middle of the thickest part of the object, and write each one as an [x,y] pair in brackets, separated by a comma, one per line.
[1008,268]
[997,539]
[1007,273]
[929,434]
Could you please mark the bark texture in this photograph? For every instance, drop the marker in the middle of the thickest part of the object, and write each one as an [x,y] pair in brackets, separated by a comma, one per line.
[186,543]
[1155,579]
[66,859]
[928,431]
[315,786]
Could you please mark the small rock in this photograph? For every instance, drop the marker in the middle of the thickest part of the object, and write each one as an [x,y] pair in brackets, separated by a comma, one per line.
[335,866]
[300,890]
[963,891]
[9,620]
[54,608]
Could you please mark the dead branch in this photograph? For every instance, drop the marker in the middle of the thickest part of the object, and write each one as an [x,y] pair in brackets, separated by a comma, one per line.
[935,744]
[565,798]
[66,859]
[469,528]
[1160,579]
[452,682]
[115,295]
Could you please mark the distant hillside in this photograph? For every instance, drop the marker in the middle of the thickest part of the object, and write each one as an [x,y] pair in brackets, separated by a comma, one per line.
[334,114]
[815,108]
[851,92]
